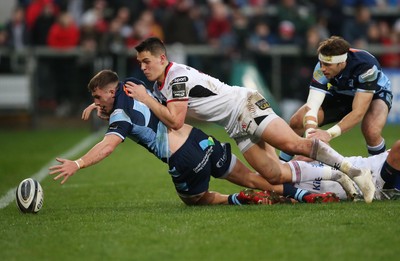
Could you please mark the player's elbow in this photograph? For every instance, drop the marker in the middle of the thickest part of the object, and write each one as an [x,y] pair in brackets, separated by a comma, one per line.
[176,125]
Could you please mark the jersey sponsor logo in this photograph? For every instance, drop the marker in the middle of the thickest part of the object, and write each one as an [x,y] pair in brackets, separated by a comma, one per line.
[204,161]
[179,90]
[263,104]
[370,75]
[317,183]
[222,160]
[180,79]
[318,75]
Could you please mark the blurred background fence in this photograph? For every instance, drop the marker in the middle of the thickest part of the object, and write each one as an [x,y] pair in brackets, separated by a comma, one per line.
[50,49]
[42,83]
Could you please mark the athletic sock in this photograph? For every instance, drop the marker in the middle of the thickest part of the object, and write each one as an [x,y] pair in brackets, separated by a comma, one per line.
[375,150]
[326,154]
[233,200]
[389,175]
[284,156]
[296,193]
[310,171]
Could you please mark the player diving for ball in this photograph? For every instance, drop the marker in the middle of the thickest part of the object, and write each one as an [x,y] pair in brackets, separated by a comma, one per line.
[192,155]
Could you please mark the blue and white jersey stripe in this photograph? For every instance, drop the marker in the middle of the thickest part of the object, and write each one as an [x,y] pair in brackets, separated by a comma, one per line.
[133,119]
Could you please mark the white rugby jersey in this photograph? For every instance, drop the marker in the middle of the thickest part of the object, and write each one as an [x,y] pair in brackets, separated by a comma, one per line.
[208,98]
[374,163]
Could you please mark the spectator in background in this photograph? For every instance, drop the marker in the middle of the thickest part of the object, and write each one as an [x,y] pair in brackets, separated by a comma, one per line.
[261,39]
[3,36]
[180,24]
[42,25]
[17,31]
[294,17]
[332,12]
[389,38]
[287,33]
[355,29]
[240,31]
[34,9]
[64,33]
[145,26]
[94,20]
[219,29]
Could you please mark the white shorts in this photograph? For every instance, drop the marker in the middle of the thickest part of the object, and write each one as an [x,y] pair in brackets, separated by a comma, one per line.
[254,119]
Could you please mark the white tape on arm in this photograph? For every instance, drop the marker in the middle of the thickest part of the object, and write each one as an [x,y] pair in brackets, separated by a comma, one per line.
[334,131]
[314,101]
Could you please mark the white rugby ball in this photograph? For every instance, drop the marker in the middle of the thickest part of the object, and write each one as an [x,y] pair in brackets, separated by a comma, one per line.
[29,196]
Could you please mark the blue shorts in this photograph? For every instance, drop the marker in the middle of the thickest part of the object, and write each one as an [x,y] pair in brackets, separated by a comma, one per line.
[200,157]
[336,106]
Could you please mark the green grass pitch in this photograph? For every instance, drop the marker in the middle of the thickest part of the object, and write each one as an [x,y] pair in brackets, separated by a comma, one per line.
[125,208]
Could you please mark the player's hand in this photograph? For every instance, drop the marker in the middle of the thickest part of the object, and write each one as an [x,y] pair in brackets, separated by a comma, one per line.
[66,169]
[136,91]
[322,135]
[87,111]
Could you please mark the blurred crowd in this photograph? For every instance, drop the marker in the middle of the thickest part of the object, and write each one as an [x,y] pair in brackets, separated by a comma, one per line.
[237,28]
[234,26]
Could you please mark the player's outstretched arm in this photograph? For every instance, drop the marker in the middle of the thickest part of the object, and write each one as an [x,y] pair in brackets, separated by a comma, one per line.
[101,150]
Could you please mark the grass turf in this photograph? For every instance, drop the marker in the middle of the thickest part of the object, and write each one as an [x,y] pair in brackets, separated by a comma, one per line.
[125,208]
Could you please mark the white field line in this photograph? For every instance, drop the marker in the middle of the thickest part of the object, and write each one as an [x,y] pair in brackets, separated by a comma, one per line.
[43,172]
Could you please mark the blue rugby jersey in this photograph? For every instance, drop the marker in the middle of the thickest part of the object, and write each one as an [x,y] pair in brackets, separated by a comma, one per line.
[362,73]
[133,119]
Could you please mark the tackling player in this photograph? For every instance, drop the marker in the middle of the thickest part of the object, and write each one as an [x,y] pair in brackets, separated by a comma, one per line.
[193,157]
[348,87]
[244,113]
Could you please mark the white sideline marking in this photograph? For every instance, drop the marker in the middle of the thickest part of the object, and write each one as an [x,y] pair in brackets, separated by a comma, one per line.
[43,172]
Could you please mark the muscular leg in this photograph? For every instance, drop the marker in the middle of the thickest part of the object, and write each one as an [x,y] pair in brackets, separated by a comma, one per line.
[372,126]
[263,158]
[206,198]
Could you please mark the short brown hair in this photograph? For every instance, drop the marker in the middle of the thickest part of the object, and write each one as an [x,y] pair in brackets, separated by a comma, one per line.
[102,79]
[152,45]
[335,45]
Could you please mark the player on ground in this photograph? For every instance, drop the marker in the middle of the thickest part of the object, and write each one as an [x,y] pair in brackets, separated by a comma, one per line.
[192,155]
[348,87]
[244,113]
[385,170]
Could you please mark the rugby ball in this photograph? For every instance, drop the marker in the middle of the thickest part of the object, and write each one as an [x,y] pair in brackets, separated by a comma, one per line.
[29,196]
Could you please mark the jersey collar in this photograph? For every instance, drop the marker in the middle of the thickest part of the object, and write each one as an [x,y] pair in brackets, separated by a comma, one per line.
[161,86]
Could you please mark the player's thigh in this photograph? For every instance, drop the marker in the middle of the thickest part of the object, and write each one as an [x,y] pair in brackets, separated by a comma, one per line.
[263,158]
[279,135]
[375,118]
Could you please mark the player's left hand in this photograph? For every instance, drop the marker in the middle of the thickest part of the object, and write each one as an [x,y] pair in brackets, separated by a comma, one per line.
[136,91]
[66,169]
[322,135]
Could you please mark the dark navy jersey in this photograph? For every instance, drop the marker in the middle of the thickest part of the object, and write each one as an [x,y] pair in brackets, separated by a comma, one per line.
[133,119]
[362,73]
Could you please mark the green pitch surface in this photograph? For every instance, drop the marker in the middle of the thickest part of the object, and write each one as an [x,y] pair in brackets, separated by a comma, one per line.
[125,208]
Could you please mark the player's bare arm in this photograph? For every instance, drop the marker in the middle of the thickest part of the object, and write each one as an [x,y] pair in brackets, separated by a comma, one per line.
[173,115]
[101,150]
[360,106]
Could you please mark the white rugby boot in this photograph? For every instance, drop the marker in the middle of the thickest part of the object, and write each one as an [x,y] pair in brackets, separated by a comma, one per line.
[347,184]
[363,179]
